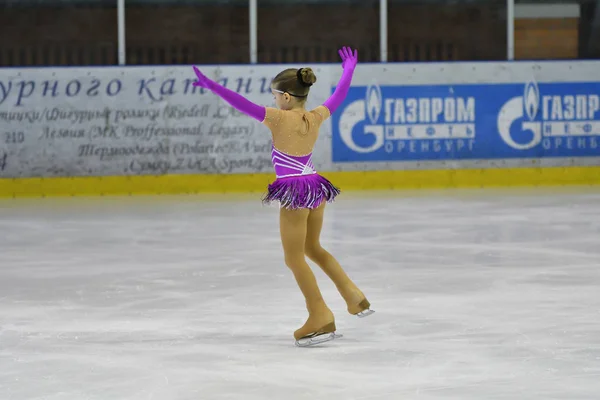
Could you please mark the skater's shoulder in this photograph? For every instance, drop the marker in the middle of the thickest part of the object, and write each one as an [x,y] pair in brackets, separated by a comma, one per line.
[321,113]
[272,117]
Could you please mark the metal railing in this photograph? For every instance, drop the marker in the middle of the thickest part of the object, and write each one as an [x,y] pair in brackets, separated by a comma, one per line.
[97,33]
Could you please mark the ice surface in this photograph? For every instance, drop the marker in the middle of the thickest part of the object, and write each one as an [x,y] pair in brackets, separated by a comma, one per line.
[479,295]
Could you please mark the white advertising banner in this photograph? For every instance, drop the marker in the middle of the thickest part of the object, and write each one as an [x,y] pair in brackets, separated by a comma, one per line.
[132,121]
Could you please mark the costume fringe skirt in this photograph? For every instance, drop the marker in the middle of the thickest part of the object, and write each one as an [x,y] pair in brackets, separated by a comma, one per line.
[306,191]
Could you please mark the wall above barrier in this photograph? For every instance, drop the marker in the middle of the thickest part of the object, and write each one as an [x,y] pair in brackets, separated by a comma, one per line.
[70,124]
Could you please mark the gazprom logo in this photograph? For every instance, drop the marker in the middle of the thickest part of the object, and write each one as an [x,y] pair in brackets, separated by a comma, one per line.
[360,117]
[532,100]
[524,109]
[374,103]
[394,120]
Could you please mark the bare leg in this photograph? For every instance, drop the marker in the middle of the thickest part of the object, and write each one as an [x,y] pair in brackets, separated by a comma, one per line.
[293,234]
[354,298]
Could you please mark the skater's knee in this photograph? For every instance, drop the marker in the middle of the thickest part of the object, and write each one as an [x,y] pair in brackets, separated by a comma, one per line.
[315,252]
[294,260]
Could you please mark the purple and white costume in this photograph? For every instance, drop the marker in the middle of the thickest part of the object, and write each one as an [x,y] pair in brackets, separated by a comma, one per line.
[298,185]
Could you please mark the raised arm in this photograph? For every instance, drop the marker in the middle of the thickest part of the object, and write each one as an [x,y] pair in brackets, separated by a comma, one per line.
[349,61]
[236,100]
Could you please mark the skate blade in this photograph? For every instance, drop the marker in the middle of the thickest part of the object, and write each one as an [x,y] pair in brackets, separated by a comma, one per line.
[312,341]
[365,313]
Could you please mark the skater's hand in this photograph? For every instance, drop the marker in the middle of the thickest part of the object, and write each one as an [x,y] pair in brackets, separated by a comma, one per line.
[202,81]
[349,59]
[234,99]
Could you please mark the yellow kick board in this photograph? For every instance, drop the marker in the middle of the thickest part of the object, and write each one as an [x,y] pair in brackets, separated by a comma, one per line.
[364,180]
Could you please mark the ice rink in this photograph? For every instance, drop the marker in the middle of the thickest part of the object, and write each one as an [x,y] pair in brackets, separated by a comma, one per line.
[490,294]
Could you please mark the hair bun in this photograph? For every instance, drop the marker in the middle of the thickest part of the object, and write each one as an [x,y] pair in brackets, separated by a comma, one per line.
[306,76]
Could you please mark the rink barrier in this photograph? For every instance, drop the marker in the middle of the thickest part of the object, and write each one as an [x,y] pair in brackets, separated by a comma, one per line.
[347,181]
[147,130]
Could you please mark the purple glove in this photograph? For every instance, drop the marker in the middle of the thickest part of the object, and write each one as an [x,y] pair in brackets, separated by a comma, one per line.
[236,100]
[349,61]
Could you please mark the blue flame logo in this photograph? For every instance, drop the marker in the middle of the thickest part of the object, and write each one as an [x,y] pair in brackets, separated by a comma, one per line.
[531,100]
[373,103]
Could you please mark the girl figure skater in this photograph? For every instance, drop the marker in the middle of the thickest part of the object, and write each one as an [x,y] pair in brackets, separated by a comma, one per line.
[301,192]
